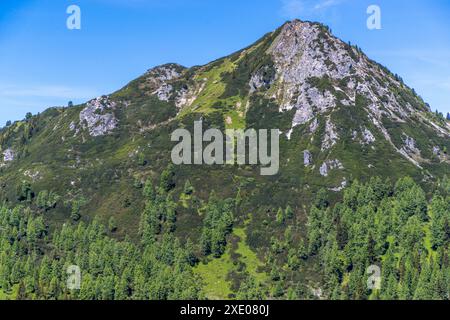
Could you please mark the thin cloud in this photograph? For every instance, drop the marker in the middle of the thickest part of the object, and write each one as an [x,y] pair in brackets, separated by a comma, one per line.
[326,4]
[446,85]
[47,92]
[434,57]
[292,8]
[433,81]
[295,8]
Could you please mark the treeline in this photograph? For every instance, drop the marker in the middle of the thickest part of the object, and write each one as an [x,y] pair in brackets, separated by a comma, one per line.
[34,263]
[159,215]
[394,229]
[390,227]
[217,225]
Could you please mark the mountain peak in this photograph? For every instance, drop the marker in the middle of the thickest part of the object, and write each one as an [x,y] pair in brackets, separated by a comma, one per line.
[319,75]
[319,85]
[165,72]
[168,67]
[343,118]
[298,23]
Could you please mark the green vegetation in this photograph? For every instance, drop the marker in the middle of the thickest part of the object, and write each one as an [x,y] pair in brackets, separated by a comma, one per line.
[215,277]
[140,228]
[387,226]
[213,87]
[157,269]
[237,259]
[217,224]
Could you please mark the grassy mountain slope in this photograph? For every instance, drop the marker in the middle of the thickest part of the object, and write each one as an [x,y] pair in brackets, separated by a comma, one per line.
[342,116]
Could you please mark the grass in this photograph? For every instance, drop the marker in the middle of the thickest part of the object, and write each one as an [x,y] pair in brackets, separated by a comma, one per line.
[427,242]
[214,275]
[236,116]
[249,257]
[4,296]
[213,88]
[184,200]
[211,97]
[9,296]
[215,272]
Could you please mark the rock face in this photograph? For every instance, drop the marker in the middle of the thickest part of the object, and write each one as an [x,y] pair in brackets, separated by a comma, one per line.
[331,136]
[157,81]
[313,126]
[164,92]
[186,96]
[261,79]
[410,144]
[163,74]
[161,82]
[341,187]
[8,155]
[410,148]
[97,117]
[368,137]
[324,170]
[302,52]
[307,158]
[436,151]
[330,165]
[316,74]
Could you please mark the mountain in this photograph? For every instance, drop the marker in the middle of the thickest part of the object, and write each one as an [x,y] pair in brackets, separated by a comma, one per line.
[343,118]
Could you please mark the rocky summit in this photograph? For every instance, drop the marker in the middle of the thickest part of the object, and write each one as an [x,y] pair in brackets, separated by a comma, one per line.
[344,119]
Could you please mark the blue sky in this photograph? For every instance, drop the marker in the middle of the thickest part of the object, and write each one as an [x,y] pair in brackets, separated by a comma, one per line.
[44,64]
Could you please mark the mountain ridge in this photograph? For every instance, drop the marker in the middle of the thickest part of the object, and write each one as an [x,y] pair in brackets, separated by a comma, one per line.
[94,184]
[341,114]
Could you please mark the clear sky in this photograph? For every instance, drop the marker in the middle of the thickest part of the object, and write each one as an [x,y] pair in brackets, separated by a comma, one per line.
[43,64]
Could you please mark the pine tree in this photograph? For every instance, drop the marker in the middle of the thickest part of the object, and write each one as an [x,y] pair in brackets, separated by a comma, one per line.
[217,224]
[112,224]
[41,200]
[315,219]
[424,290]
[250,290]
[321,200]
[139,292]
[188,188]
[149,192]
[289,213]
[277,290]
[439,217]
[167,181]
[280,216]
